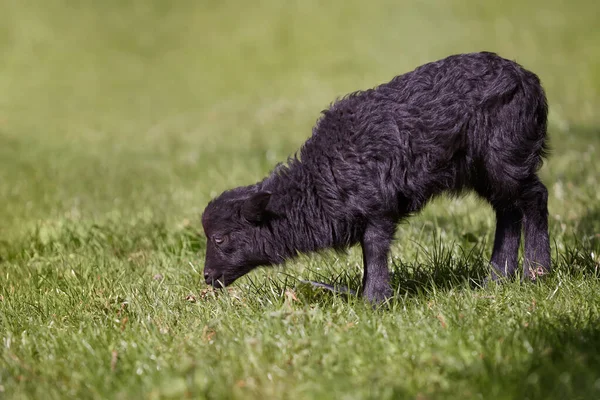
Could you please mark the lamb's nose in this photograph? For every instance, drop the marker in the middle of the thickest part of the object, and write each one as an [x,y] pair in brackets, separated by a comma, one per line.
[207,277]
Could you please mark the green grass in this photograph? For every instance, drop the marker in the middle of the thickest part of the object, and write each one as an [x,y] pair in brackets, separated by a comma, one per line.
[120,119]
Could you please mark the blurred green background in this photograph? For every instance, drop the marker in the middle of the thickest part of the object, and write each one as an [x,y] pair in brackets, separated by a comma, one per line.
[120,119]
[157,105]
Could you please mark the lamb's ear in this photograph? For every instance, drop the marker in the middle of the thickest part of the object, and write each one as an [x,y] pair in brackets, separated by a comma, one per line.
[255,208]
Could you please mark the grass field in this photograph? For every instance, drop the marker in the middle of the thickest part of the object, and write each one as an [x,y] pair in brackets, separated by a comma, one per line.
[119,120]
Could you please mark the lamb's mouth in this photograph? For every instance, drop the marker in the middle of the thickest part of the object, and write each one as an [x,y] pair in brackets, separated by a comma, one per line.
[218,283]
[226,279]
[222,281]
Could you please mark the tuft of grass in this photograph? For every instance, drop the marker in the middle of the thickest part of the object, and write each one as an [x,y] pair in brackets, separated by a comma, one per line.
[119,120]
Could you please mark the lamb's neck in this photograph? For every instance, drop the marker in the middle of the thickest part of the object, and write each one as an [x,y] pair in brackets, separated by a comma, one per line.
[300,224]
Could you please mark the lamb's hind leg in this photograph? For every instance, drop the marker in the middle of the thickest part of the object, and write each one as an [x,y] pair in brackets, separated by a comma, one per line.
[534,206]
[506,241]
[508,230]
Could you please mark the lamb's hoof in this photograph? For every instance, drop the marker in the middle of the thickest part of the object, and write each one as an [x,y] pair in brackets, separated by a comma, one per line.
[378,297]
[536,274]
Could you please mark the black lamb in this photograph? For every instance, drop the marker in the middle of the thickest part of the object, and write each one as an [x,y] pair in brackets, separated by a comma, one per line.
[470,121]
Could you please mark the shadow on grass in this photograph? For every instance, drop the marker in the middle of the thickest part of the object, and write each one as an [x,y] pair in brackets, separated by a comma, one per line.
[444,268]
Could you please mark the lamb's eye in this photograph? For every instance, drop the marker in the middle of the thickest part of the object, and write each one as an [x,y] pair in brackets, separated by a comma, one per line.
[219,239]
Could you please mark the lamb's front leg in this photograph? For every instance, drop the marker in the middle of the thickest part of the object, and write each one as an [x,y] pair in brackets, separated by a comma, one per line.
[376,246]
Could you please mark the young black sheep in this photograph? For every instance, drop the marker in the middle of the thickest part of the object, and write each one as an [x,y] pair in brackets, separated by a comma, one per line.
[470,121]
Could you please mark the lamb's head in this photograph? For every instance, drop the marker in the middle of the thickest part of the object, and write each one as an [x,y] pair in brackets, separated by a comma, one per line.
[238,238]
